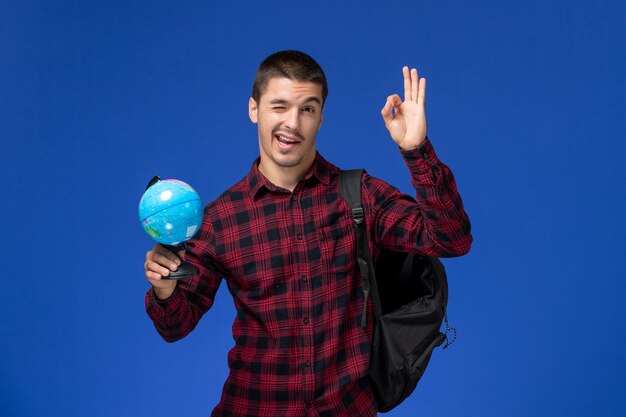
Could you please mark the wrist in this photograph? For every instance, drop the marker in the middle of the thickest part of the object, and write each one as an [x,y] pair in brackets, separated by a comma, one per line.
[413,146]
[162,294]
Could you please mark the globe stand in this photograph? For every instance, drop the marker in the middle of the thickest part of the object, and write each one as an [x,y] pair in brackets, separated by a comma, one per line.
[185,269]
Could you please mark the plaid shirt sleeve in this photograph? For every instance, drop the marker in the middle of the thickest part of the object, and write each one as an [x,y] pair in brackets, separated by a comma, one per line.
[179,314]
[435,224]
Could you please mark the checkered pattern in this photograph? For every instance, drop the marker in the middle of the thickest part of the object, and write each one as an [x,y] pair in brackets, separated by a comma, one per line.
[289,262]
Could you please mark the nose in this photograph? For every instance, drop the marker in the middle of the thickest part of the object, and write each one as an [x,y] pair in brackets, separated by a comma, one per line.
[292,119]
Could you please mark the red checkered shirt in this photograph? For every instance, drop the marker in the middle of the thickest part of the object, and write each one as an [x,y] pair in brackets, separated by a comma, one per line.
[289,262]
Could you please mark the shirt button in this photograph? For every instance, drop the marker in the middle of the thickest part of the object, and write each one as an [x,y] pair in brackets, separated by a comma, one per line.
[306,320]
[294,197]
[425,155]
[303,279]
[299,236]
[307,363]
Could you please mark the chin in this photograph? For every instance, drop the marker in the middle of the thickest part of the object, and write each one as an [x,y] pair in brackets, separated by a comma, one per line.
[287,162]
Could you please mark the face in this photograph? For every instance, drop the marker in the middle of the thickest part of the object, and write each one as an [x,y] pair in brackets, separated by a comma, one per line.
[288,115]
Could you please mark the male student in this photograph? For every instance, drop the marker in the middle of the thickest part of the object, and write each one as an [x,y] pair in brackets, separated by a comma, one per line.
[283,240]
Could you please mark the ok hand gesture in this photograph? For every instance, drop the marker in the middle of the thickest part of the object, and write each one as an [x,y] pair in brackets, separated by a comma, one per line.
[406,121]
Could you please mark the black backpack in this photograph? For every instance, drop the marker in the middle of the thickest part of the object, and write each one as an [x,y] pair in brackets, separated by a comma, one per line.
[409,299]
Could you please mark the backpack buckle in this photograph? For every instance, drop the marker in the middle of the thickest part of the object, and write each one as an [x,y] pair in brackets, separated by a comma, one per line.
[357,213]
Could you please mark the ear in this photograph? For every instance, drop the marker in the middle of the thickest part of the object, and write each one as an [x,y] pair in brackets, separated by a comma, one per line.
[252,111]
[321,120]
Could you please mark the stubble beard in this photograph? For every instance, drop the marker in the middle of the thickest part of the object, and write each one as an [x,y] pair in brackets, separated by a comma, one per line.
[291,159]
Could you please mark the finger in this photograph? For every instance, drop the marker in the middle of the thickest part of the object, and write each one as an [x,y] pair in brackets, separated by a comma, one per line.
[170,254]
[393,103]
[166,249]
[155,268]
[414,84]
[407,83]
[394,100]
[153,276]
[166,259]
[158,249]
[421,98]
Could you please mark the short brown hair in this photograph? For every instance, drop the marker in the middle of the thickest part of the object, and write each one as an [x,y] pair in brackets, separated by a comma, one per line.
[294,65]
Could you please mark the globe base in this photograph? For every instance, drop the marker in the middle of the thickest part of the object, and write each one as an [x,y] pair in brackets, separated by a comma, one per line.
[185,270]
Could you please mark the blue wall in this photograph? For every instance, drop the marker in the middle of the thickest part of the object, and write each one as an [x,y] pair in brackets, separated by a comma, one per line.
[526,102]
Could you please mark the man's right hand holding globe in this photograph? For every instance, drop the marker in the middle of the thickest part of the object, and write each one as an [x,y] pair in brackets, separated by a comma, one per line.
[159,263]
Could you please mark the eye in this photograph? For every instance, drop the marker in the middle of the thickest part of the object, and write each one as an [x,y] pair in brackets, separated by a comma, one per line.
[308,109]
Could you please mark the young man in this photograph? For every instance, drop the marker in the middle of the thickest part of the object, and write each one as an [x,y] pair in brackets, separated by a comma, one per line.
[284,241]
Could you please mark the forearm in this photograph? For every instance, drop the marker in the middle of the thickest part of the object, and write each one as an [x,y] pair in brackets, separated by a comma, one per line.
[176,310]
[173,317]
[435,223]
[162,294]
[445,222]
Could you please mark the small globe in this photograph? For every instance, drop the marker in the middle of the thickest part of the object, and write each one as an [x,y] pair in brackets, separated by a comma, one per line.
[170,212]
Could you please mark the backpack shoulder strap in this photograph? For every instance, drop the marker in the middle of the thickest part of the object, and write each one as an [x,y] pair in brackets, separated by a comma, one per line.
[350,190]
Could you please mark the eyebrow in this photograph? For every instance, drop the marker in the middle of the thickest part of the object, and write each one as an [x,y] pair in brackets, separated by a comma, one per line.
[308,100]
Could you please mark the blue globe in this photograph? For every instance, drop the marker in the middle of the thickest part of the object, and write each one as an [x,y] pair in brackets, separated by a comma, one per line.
[170,212]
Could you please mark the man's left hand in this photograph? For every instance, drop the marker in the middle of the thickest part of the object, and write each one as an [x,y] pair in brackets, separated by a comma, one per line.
[406,121]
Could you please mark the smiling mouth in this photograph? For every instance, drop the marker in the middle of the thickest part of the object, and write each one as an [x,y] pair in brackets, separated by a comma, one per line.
[285,141]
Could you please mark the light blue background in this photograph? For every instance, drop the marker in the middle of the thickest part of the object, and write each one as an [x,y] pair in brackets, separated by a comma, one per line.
[526,102]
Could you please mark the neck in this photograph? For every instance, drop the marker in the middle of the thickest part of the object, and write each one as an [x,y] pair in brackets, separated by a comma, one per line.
[284,177]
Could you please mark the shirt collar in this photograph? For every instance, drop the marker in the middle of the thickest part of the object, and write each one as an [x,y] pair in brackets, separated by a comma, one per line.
[321,170]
